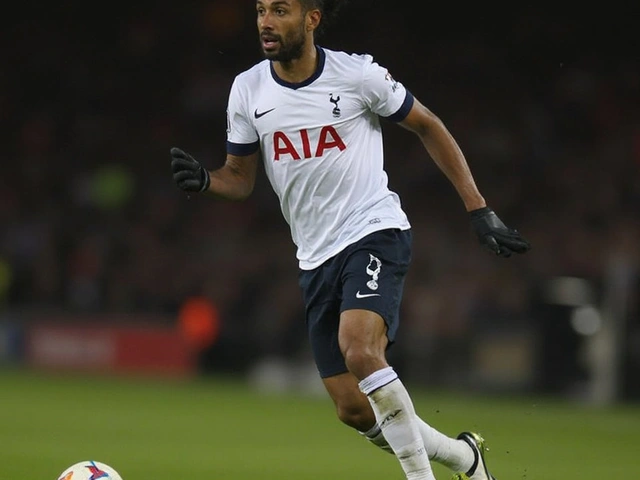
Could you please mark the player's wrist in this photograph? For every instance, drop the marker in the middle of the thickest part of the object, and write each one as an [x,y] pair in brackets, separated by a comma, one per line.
[205,178]
[479,212]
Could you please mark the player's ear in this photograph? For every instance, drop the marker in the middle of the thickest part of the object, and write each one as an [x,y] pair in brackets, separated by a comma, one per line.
[313,19]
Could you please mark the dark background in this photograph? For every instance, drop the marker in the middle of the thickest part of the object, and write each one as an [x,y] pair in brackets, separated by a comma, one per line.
[545,104]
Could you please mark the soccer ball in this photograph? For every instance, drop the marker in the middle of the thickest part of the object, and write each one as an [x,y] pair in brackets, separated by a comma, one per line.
[90,470]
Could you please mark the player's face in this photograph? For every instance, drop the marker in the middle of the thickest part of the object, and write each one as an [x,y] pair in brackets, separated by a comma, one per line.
[281,25]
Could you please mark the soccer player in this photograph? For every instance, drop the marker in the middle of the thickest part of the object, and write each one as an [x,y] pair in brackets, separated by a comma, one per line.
[311,115]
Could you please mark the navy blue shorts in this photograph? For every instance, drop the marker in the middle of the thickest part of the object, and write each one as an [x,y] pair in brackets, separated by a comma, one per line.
[367,275]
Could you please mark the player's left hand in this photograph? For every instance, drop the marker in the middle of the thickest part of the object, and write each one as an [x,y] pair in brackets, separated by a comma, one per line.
[495,235]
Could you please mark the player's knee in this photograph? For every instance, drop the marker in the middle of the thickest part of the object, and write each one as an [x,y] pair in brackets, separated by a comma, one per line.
[362,362]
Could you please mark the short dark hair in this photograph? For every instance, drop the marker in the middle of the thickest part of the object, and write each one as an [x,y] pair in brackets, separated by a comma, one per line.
[329,9]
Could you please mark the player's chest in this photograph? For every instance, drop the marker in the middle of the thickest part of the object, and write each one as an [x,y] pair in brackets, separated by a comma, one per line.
[292,111]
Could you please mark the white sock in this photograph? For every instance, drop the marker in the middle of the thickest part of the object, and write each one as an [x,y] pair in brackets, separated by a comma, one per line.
[452,453]
[455,454]
[396,417]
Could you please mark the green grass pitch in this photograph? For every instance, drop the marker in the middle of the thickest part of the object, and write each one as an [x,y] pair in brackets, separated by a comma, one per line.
[219,429]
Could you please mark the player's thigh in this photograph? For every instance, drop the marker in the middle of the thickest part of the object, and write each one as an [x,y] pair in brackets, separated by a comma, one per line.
[373,278]
[322,310]
[363,340]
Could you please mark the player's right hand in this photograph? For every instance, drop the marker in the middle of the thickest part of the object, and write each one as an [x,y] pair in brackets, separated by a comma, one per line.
[188,173]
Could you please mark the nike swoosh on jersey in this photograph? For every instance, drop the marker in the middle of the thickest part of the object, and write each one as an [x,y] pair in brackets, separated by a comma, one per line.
[260,114]
[366,295]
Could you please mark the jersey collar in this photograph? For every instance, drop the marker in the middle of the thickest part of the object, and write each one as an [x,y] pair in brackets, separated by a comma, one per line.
[308,81]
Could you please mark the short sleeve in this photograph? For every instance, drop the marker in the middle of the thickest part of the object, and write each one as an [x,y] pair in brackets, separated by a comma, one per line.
[384,95]
[242,138]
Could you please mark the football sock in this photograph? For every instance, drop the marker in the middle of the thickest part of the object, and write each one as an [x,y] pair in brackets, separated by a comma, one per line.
[454,454]
[396,417]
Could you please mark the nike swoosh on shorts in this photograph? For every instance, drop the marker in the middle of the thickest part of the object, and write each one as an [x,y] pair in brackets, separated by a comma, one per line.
[365,295]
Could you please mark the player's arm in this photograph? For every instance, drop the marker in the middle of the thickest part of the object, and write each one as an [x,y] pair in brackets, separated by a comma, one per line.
[445,152]
[233,181]
[442,147]
[236,178]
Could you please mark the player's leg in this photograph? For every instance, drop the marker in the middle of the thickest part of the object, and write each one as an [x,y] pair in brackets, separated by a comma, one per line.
[362,336]
[463,454]
[353,408]
[372,281]
[363,341]
[323,297]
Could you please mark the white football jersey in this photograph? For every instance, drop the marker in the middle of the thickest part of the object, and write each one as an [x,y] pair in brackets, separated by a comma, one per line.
[321,143]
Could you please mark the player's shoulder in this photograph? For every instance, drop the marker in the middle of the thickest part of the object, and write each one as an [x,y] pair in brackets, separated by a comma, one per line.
[252,76]
[349,67]
[350,60]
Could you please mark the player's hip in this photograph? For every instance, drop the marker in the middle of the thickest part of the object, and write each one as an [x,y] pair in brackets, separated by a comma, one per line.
[371,269]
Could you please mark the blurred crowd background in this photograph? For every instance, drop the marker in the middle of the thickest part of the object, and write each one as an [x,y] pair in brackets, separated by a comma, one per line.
[545,106]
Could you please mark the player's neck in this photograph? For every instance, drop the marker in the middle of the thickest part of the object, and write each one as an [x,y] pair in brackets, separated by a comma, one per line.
[300,69]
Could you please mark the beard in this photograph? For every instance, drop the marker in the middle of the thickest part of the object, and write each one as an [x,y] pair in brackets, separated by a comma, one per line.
[290,47]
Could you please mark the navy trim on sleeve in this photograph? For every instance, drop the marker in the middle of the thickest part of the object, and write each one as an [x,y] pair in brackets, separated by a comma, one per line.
[404,109]
[242,149]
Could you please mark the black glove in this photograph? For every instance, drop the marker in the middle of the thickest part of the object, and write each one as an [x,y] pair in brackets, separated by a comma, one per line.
[188,173]
[494,235]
